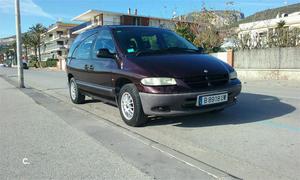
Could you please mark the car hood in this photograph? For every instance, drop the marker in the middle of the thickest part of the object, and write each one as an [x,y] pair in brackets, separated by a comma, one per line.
[180,66]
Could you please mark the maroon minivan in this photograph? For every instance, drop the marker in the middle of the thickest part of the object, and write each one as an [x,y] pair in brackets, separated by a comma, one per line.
[148,71]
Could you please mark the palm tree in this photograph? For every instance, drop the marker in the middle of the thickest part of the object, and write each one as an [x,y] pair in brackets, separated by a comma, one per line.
[9,51]
[13,51]
[27,40]
[281,24]
[37,30]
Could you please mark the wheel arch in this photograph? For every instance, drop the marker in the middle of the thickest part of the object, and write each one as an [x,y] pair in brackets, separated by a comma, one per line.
[69,76]
[120,82]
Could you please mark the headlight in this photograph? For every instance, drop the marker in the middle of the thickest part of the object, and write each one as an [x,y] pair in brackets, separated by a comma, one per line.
[158,81]
[233,75]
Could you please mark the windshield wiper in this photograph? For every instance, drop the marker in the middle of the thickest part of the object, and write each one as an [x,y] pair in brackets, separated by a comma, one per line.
[171,49]
[176,49]
[148,51]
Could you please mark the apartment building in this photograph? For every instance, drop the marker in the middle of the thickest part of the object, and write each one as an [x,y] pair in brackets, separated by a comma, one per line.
[259,30]
[93,18]
[56,41]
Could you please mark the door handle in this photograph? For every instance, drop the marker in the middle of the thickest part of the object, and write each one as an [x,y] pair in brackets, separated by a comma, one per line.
[86,67]
[91,67]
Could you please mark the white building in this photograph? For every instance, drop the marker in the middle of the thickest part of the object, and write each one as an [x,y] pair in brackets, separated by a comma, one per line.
[93,18]
[56,41]
[259,30]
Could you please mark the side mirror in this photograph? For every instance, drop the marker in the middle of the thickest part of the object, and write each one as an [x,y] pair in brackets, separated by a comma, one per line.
[104,53]
[201,50]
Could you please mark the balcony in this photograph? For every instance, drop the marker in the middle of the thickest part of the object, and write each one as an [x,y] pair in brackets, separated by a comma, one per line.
[55,38]
[45,57]
[81,27]
[53,47]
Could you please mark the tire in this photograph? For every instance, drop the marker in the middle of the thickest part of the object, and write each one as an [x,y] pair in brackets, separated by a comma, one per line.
[75,95]
[129,95]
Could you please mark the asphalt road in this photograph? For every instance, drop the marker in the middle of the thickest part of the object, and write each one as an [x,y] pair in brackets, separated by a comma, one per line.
[259,138]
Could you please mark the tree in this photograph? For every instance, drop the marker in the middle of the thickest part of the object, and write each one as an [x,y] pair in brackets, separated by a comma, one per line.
[27,41]
[281,24]
[209,39]
[9,51]
[184,30]
[13,51]
[37,30]
[206,34]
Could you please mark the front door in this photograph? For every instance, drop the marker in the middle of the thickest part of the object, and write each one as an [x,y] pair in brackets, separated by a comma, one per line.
[81,61]
[101,68]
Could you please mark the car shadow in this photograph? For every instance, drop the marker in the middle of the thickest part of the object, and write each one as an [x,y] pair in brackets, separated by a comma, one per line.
[249,108]
[91,101]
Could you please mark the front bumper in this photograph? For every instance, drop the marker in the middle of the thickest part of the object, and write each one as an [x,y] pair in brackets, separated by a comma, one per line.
[184,103]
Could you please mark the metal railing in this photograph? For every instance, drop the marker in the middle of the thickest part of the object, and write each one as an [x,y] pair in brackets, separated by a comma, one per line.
[53,47]
[55,37]
[45,57]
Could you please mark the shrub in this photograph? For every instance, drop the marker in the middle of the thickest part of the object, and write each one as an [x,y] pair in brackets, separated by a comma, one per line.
[33,63]
[51,62]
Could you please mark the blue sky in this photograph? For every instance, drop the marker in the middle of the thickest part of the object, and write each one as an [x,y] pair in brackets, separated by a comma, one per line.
[49,11]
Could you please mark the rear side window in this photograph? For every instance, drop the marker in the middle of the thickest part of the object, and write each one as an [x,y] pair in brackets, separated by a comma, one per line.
[104,41]
[83,51]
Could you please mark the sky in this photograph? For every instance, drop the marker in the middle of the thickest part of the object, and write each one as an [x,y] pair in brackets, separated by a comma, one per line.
[48,12]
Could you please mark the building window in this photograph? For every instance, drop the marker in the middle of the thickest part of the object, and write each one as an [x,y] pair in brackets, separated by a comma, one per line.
[59,32]
[60,43]
[136,21]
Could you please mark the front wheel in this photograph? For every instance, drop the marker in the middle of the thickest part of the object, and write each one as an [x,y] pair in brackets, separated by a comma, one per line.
[75,94]
[130,106]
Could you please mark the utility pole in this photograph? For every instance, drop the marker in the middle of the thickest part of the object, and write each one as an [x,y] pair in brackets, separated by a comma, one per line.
[19,47]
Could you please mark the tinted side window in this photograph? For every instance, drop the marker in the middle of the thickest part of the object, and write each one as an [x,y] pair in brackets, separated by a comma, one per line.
[104,41]
[83,51]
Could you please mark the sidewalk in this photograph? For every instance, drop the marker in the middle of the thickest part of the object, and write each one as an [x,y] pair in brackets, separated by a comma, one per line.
[36,144]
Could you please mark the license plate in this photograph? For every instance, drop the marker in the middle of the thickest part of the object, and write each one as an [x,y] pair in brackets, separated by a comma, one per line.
[212,99]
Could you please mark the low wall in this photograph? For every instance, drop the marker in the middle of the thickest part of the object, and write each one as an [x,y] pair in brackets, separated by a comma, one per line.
[61,64]
[227,57]
[269,74]
[220,55]
[271,58]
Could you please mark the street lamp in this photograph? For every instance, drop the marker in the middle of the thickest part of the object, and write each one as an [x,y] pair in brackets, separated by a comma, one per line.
[19,47]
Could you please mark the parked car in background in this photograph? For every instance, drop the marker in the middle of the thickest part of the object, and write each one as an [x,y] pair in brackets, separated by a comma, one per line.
[148,71]
[25,65]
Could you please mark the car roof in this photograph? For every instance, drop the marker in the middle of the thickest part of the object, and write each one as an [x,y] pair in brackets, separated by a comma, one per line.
[123,26]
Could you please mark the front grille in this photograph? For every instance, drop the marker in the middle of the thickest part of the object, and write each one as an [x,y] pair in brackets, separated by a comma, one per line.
[207,81]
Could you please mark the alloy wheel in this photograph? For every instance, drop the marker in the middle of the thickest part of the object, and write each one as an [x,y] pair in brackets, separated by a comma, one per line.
[127,106]
[73,90]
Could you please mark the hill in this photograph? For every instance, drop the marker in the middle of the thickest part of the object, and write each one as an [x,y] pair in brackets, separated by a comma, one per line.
[271,13]
[220,17]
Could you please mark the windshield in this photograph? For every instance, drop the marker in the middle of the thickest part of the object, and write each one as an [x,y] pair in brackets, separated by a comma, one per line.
[141,41]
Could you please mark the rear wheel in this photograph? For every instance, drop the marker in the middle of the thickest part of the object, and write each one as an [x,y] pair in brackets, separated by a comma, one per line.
[130,106]
[75,94]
